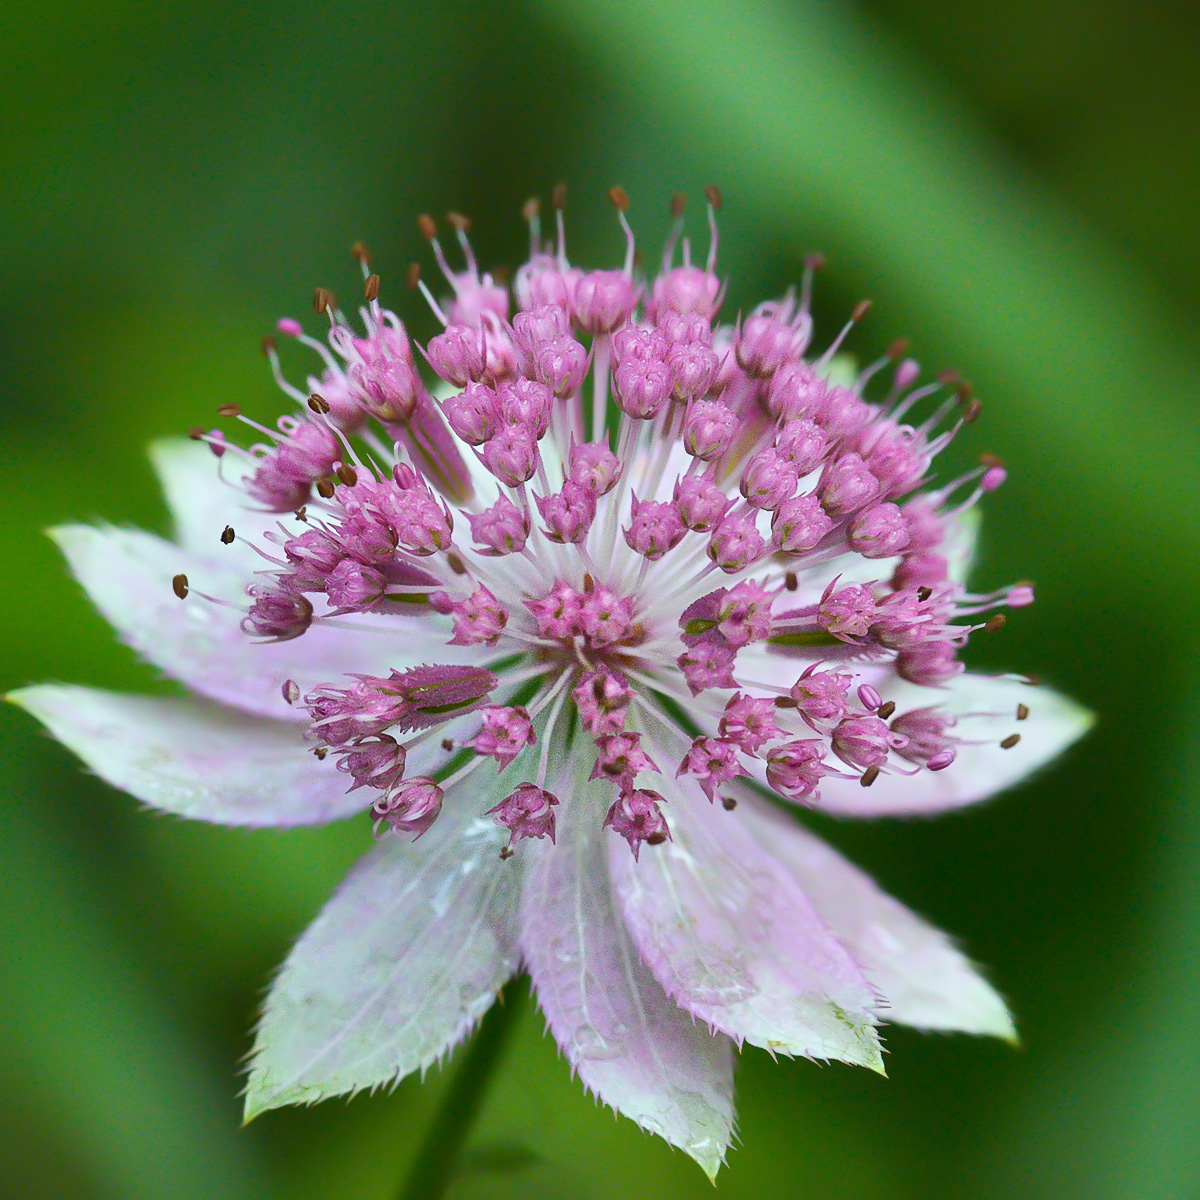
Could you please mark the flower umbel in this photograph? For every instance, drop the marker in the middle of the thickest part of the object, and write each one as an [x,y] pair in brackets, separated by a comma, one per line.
[558,628]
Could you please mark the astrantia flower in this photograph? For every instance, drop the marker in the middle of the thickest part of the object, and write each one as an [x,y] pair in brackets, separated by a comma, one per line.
[569,633]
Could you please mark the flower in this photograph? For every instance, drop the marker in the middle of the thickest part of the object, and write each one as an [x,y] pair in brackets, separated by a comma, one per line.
[569,632]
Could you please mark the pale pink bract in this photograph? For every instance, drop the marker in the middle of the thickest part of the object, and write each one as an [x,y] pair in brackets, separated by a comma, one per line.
[570,631]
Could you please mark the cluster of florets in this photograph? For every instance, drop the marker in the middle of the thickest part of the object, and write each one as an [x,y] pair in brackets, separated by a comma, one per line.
[618,502]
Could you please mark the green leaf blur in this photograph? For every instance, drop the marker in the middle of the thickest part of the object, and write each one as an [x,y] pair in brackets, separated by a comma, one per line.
[1015,186]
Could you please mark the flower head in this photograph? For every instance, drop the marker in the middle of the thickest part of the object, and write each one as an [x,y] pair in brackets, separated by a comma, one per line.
[490,614]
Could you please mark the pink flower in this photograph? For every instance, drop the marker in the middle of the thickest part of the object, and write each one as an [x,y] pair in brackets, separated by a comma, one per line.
[739,568]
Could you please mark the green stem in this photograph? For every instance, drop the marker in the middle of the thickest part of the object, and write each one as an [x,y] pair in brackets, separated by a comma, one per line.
[438,1158]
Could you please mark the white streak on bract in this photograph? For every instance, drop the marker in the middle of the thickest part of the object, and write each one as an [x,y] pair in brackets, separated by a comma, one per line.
[926,981]
[127,574]
[195,759]
[733,939]
[980,770]
[399,966]
[628,1041]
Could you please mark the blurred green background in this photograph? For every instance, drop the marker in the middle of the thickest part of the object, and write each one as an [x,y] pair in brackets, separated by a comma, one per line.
[1016,187]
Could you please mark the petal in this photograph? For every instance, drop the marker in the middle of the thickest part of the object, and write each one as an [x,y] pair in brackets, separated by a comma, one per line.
[127,573]
[926,981]
[629,1042]
[980,770]
[732,938]
[195,759]
[202,502]
[397,969]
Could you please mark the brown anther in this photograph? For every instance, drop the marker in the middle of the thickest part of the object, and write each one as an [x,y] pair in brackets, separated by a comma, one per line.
[268,346]
[301,513]
[886,709]
[963,391]
[790,581]
[1032,681]
[589,584]
[728,803]
[814,261]
[361,253]
[458,221]
[447,744]
[991,460]
[996,623]
[229,410]
[290,691]
[971,411]
[323,300]
[898,349]
[558,197]
[1022,712]
[1010,741]
[456,564]
[923,593]
[620,198]
[678,204]
[371,288]
[531,209]
[347,474]
[860,310]
[227,535]
[656,839]
[325,487]
[868,777]
[319,752]
[712,194]
[195,433]
[426,227]
[639,259]
[948,376]
[413,276]
[506,852]
[785,702]
[179,585]
[318,403]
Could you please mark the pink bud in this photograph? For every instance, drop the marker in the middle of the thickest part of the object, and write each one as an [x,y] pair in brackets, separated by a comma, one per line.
[528,812]
[655,528]
[880,532]
[635,815]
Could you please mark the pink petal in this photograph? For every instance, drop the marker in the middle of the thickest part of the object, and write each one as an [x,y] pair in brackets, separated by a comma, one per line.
[400,965]
[980,770]
[628,1041]
[732,938]
[202,503]
[127,573]
[926,981]
[195,759]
